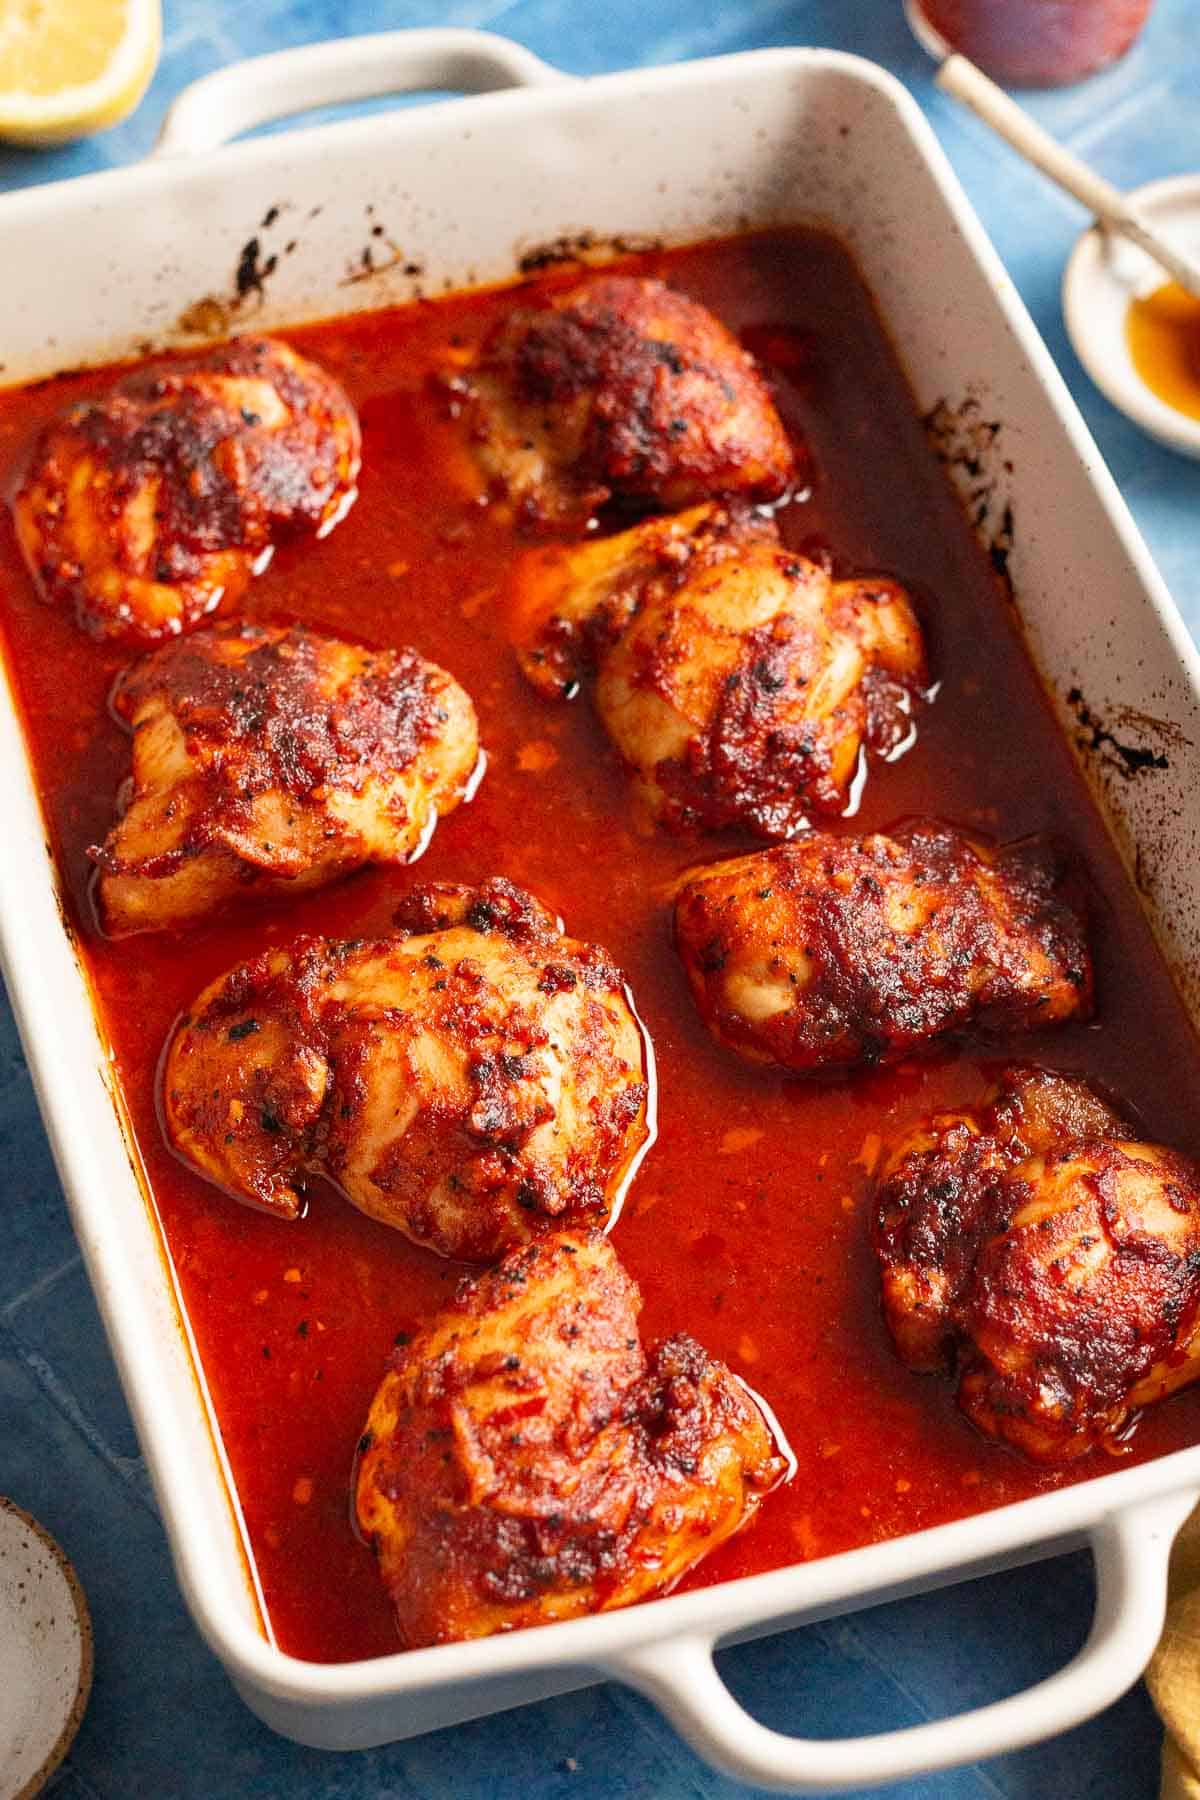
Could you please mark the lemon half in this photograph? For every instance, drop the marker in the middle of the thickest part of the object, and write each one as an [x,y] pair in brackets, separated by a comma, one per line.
[70,67]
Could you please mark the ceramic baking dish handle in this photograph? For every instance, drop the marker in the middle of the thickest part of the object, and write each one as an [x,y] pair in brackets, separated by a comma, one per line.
[222,105]
[1131,1551]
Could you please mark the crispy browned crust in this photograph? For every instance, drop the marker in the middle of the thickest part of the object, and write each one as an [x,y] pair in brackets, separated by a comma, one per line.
[1056,1261]
[265,721]
[246,1082]
[226,485]
[997,942]
[940,1195]
[770,677]
[640,394]
[274,1074]
[758,765]
[1059,1368]
[498,906]
[526,1460]
[270,703]
[559,643]
[290,760]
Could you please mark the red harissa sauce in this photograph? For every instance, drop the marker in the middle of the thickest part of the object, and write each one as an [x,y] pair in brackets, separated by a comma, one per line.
[747,1224]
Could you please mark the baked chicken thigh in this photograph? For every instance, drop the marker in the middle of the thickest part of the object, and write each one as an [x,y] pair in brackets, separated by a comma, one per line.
[623,389]
[834,953]
[467,1081]
[526,1460]
[1039,1245]
[740,682]
[148,507]
[270,761]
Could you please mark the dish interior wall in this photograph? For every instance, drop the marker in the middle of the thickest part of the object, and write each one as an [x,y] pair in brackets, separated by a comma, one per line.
[747,1224]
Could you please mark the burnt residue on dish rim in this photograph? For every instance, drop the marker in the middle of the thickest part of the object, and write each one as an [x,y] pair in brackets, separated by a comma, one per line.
[214,314]
[967,439]
[969,446]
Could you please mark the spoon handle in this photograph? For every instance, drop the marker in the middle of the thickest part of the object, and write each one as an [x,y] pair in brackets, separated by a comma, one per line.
[960,77]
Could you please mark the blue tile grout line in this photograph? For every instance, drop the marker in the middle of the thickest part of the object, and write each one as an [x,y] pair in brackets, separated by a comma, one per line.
[41,1286]
[67,1775]
[131,1473]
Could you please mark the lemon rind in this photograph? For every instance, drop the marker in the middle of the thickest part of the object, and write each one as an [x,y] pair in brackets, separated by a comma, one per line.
[94,105]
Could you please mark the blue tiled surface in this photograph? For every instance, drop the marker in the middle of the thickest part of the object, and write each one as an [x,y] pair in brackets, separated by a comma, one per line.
[163,1721]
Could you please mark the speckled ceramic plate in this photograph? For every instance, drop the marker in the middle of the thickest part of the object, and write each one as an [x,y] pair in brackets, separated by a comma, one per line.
[45,1654]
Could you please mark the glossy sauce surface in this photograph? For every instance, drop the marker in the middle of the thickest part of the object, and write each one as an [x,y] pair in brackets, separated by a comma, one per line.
[1162,330]
[747,1223]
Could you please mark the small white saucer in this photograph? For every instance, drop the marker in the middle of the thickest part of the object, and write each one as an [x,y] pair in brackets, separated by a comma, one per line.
[1103,275]
[45,1654]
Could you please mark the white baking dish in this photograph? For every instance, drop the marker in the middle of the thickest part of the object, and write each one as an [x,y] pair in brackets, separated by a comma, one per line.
[97,267]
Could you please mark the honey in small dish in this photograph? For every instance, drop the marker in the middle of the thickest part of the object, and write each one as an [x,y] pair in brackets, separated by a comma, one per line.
[1162,329]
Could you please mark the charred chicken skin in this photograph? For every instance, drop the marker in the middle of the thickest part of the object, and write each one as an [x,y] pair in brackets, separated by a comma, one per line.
[620,389]
[527,1460]
[145,509]
[1038,1245]
[267,762]
[468,1081]
[834,953]
[740,682]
